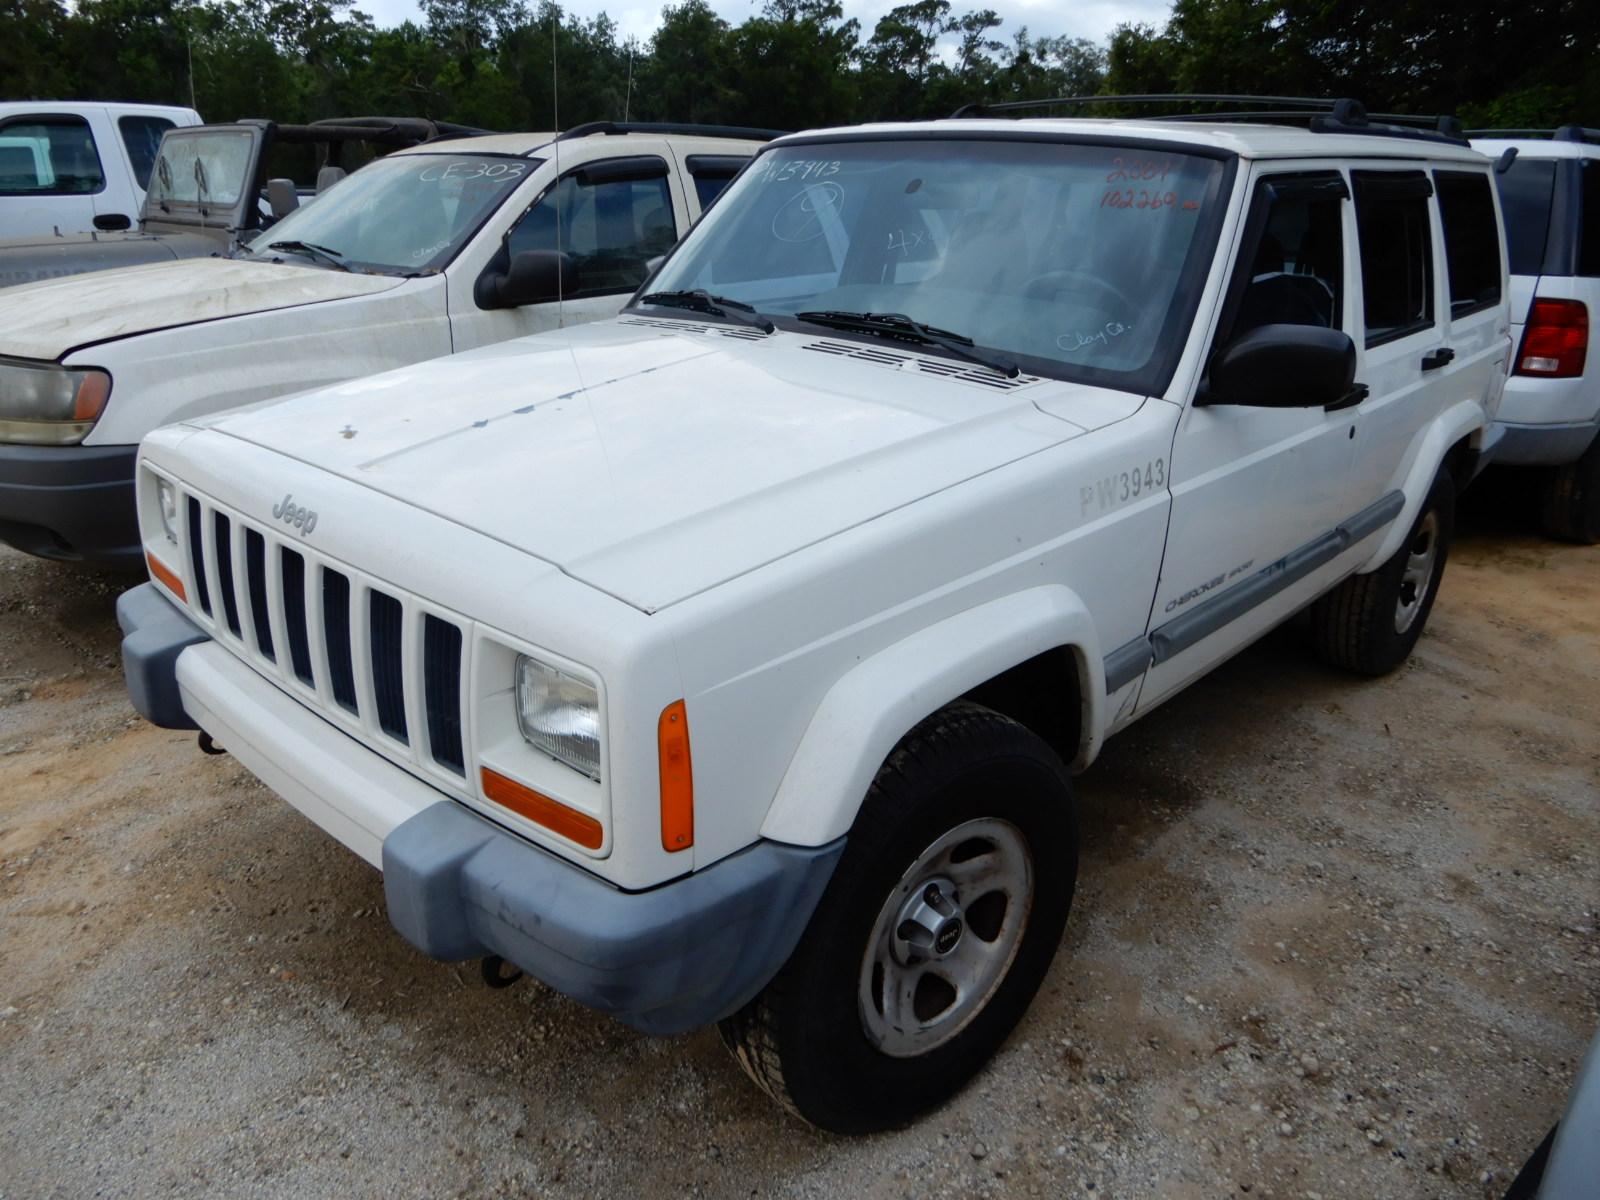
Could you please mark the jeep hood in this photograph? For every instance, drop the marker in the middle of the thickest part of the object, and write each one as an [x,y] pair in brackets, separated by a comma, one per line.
[53,256]
[655,459]
[48,319]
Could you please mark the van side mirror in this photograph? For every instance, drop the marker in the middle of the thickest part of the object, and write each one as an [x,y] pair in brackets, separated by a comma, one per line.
[1286,366]
[282,197]
[533,277]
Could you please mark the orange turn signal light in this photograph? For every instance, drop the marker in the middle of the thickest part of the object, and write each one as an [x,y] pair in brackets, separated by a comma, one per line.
[166,575]
[541,810]
[677,778]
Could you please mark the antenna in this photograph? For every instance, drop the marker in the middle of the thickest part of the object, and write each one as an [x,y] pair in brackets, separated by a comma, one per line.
[627,96]
[555,113]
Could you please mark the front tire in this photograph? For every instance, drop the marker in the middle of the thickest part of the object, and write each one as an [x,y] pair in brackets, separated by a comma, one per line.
[935,932]
[1571,500]
[1370,623]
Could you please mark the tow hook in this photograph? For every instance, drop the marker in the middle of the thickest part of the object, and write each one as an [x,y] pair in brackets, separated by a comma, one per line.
[498,973]
[207,746]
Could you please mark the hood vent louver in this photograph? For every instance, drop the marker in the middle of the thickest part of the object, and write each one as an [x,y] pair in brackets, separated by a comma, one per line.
[738,332]
[943,368]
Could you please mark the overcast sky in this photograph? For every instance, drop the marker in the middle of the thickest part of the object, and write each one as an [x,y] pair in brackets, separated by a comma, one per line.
[1092,19]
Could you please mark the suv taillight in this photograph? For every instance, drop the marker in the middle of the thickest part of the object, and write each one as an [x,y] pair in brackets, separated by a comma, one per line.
[1555,341]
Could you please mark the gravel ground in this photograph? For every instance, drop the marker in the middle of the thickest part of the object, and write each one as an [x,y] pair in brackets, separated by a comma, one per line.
[1333,938]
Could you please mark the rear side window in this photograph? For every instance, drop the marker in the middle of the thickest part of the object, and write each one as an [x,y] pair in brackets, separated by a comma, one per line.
[1396,236]
[1589,229]
[49,156]
[1526,189]
[141,135]
[1471,241]
[712,173]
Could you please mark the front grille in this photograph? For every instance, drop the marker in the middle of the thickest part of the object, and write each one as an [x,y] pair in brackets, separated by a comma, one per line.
[364,653]
[388,687]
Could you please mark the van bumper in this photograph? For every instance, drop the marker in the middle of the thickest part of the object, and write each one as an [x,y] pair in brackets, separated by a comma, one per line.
[71,503]
[665,960]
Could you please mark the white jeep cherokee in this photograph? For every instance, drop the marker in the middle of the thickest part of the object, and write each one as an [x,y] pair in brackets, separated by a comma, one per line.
[729,660]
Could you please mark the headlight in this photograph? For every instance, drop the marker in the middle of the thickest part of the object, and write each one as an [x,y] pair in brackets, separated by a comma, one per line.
[46,405]
[559,714]
[168,497]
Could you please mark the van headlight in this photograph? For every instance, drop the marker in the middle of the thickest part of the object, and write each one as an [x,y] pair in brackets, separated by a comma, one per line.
[42,404]
[559,714]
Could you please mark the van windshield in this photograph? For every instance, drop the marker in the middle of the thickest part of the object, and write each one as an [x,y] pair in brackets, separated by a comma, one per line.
[406,214]
[1069,259]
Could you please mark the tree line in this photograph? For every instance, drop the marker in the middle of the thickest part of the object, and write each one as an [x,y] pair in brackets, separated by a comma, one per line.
[799,63]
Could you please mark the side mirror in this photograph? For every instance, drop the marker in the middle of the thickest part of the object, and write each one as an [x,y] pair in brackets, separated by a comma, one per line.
[1285,366]
[534,277]
[282,197]
[113,222]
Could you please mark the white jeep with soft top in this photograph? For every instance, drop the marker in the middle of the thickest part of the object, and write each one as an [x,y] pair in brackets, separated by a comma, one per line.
[729,660]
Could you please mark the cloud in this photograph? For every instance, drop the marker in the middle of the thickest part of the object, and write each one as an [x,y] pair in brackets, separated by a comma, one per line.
[1092,19]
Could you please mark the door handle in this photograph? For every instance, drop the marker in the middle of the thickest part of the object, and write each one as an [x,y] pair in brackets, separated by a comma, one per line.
[1434,359]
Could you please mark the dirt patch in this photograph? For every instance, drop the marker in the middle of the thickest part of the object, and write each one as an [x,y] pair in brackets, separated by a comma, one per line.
[1332,938]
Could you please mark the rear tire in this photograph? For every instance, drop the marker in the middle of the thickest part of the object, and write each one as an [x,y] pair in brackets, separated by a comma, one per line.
[1370,623]
[960,866]
[1571,500]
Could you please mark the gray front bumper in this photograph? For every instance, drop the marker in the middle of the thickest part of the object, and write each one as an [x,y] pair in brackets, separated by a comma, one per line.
[664,961]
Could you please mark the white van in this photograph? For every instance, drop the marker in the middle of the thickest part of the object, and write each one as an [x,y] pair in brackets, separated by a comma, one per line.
[433,250]
[69,166]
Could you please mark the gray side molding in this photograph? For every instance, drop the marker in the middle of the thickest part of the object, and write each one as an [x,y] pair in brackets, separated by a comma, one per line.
[1128,662]
[155,632]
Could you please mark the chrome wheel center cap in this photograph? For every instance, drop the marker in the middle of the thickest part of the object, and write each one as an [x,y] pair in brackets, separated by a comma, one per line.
[930,923]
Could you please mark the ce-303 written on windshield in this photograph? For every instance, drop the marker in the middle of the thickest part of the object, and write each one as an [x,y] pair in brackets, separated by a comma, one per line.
[1064,259]
[407,214]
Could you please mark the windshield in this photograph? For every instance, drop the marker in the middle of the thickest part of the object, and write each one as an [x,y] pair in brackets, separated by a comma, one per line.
[1526,189]
[404,214]
[1071,259]
[209,169]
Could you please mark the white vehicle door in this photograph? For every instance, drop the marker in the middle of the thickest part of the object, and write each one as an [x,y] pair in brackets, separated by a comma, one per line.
[1405,350]
[50,174]
[614,207]
[1255,490]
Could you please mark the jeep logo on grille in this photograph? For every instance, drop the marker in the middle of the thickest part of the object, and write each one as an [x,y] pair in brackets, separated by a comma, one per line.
[302,518]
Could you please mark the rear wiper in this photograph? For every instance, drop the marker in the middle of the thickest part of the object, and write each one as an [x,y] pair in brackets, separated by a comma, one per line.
[311,248]
[901,326]
[701,300]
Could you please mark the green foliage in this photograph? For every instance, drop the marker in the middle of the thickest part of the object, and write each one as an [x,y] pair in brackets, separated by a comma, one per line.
[797,63]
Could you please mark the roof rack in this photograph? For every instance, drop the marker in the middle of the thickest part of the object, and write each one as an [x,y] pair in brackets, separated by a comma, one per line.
[612,128]
[1564,133]
[1320,114]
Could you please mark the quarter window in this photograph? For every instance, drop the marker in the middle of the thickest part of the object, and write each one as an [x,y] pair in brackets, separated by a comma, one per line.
[611,228]
[1471,241]
[49,156]
[1396,239]
[142,136]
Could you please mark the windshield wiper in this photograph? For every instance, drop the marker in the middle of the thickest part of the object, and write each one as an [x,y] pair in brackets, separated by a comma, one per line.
[701,300]
[313,250]
[901,326]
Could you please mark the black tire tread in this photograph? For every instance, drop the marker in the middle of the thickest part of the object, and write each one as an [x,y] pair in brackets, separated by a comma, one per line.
[751,1034]
[1570,502]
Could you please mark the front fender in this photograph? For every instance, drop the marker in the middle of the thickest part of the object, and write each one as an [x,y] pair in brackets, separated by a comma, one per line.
[1456,422]
[873,706]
